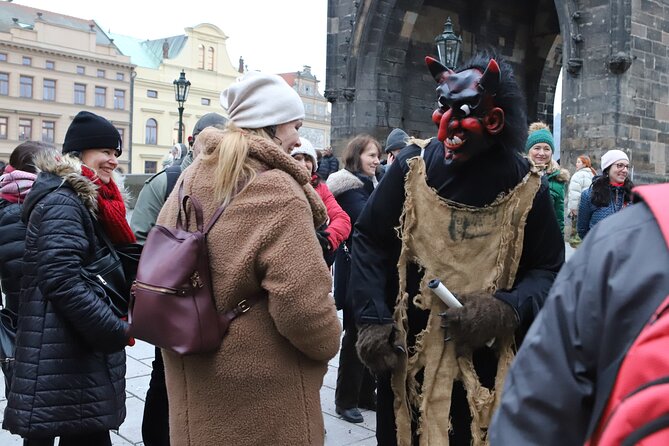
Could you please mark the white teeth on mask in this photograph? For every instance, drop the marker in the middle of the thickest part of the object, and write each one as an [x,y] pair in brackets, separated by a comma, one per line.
[465,108]
[457,140]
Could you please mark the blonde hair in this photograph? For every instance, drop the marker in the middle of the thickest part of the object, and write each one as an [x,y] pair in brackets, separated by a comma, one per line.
[234,169]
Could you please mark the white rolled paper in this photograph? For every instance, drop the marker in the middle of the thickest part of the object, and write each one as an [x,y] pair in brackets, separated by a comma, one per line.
[444,293]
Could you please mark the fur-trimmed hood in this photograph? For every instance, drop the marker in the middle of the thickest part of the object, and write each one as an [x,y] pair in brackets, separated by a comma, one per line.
[65,170]
[342,181]
[553,171]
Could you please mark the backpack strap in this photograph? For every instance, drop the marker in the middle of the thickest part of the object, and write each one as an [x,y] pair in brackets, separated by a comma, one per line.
[183,201]
[656,196]
[172,173]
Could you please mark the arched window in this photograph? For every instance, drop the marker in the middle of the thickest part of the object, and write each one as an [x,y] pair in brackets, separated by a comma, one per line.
[210,59]
[200,56]
[151,131]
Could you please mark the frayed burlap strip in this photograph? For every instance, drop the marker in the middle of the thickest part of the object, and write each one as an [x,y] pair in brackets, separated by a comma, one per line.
[470,249]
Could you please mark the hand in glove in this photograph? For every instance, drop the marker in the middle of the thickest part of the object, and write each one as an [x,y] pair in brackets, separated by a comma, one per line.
[481,318]
[377,347]
[322,236]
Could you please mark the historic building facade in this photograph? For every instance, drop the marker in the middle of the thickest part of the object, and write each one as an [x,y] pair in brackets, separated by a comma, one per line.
[316,126]
[51,67]
[202,54]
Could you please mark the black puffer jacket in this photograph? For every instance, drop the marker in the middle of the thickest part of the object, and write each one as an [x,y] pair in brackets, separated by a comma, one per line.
[70,363]
[12,242]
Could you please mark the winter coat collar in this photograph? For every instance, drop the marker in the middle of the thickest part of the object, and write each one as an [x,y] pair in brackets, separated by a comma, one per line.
[343,180]
[271,156]
[64,171]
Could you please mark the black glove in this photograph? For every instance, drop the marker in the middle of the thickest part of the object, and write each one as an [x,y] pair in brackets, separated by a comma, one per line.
[377,347]
[322,236]
[481,318]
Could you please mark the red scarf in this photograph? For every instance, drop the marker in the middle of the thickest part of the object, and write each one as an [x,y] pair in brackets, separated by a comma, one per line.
[111,210]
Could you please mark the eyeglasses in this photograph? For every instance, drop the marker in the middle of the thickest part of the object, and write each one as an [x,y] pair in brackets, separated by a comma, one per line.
[622,166]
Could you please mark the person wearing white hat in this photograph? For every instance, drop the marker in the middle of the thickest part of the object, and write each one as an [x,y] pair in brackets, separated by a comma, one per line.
[271,363]
[338,227]
[608,193]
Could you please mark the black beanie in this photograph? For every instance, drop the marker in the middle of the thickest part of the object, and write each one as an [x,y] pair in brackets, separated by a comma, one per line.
[396,140]
[90,131]
[209,120]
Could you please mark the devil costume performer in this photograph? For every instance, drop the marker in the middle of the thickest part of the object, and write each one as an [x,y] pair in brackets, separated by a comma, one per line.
[465,208]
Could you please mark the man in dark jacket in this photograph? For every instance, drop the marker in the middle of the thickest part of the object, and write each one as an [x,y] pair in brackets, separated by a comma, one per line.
[560,382]
[489,232]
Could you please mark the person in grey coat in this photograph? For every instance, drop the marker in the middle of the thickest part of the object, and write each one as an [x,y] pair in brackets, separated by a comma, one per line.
[563,374]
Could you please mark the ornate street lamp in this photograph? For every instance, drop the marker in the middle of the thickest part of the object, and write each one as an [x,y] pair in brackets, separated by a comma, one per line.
[448,46]
[181,87]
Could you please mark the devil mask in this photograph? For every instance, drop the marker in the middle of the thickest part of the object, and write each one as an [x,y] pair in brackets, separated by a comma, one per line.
[467,117]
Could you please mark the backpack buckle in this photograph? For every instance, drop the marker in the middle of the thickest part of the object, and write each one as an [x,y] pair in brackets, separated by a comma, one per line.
[243,306]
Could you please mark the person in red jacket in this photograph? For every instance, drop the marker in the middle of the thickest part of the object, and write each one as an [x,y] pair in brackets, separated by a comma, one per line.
[339,225]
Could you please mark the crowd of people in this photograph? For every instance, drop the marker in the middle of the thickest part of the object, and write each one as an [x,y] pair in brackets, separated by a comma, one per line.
[481,207]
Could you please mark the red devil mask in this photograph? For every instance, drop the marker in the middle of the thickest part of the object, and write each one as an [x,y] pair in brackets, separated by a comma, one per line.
[467,117]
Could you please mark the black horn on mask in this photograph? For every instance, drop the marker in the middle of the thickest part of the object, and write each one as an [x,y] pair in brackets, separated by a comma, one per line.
[438,71]
[491,78]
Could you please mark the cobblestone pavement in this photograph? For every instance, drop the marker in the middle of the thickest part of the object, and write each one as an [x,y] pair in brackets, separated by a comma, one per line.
[339,432]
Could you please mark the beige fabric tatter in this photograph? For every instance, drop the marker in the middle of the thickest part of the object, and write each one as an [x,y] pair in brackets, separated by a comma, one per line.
[469,249]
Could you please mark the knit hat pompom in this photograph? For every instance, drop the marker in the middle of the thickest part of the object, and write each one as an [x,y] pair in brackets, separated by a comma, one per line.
[306,148]
[90,131]
[259,100]
[539,132]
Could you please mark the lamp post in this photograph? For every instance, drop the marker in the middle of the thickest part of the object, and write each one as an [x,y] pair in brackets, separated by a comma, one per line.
[181,87]
[448,46]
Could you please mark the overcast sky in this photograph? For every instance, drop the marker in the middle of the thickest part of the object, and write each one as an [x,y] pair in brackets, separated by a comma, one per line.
[272,36]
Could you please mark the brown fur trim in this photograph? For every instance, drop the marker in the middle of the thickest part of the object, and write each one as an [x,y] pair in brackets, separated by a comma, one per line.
[482,318]
[374,347]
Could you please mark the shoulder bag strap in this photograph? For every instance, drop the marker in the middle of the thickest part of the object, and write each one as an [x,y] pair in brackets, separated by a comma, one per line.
[101,233]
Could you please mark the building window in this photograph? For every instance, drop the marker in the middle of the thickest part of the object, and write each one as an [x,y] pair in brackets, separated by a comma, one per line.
[25,129]
[3,57]
[151,94]
[100,96]
[121,133]
[80,94]
[151,131]
[119,99]
[150,166]
[101,73]
[4,84]
[48,130]
[49,90]
[120,76]
[27,60]
[81,69]
[205,101]
[50,65]
[3,127]
[210,59]
[200,56]
[26,87]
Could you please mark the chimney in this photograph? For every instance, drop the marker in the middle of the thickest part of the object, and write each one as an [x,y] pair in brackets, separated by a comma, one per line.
[241,64]
[166,49]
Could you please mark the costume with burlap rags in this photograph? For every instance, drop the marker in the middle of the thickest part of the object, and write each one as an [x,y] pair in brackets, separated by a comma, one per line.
[470,249]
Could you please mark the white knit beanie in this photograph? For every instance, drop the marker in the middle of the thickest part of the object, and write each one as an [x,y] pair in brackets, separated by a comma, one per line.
[307,149]
[612,156]
[259,100]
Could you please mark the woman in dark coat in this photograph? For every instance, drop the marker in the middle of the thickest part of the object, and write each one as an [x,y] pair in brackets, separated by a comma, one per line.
[69,378]
[351,187]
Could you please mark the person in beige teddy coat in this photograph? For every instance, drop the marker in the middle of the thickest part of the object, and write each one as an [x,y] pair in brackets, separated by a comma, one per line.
[262,385]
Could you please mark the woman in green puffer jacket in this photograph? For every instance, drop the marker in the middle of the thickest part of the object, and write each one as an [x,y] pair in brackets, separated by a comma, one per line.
[540,148]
